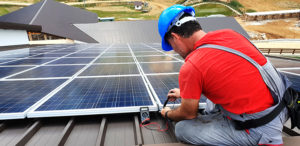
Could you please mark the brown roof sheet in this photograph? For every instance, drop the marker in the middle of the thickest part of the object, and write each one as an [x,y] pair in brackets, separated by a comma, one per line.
[55,18]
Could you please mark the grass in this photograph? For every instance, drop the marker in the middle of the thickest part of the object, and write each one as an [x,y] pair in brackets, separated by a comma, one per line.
[212,9]
[122,15]
[7,9]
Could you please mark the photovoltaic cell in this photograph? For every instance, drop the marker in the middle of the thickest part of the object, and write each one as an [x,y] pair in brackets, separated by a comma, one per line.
[163,67]
[107,92]
[84,55]
[49,55]
[28,62]
[110,69]
[114,60]
[296,71]
[163,83]
[116,54]
[295,80]
[50,71]
[155,58]
[17,96]
[147,53]
[6,71]
[73,61]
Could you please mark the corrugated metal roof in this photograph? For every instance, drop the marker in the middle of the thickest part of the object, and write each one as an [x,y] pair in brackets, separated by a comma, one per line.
[55,18]
[147,31]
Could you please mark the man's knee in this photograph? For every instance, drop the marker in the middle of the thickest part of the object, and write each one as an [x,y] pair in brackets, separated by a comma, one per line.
[183,130]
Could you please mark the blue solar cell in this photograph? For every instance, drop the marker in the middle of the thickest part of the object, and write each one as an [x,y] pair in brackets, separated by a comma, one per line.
[163,67]
[17,96]
[28,62]
[73,61]
[295,80]
[84,55]
[163,83]
[6,71]
[50,55]
[155,58]
[116,54]
[114,60]
[147,53]
[3,60]
[110,69]
[105,92]
[51,71]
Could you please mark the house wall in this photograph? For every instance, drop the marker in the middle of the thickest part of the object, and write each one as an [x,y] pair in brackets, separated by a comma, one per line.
[10,37]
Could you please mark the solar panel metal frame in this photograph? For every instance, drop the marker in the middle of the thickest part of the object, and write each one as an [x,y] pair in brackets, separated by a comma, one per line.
[160,105]
[95,111]
[201,105]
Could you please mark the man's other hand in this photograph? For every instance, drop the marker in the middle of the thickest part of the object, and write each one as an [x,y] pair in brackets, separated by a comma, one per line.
[173,94]
[164,110]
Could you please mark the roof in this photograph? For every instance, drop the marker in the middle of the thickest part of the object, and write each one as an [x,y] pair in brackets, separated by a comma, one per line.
[145,31]
[17,26]
[273,12]
[55,18]
[138,3]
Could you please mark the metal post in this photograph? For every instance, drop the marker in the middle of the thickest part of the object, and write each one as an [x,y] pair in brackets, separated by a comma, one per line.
[84,4]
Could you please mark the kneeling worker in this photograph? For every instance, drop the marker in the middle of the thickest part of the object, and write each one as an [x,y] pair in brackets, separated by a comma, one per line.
[232,73]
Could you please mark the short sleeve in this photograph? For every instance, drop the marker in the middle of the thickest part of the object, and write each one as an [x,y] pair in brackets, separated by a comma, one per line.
[190,81]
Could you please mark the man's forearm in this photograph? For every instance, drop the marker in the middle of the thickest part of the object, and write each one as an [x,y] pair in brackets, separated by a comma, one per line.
[178,115]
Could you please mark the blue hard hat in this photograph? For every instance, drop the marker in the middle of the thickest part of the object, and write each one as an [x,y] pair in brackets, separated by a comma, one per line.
[167,17]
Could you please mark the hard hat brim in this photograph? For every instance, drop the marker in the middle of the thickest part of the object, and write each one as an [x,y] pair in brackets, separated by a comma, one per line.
[165,46]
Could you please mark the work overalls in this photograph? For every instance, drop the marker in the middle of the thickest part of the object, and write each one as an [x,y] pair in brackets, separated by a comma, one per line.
[216,129]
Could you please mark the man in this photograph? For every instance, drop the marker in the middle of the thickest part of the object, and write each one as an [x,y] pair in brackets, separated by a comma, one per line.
[225,67]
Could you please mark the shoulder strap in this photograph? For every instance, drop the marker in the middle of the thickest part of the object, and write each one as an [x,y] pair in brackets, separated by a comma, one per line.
[268,80]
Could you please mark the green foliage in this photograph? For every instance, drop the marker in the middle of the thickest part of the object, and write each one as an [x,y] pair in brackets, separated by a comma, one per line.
[122,15]
[236,4]
[180,1]
[3,10]
[212,9]
[250,10]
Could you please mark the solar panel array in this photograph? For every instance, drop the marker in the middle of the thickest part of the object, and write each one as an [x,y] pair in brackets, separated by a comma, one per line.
[87,79]
[84,79]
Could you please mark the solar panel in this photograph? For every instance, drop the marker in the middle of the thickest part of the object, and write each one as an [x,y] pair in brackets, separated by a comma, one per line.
[162,67]
[148,53]
[18,96]
[28,62]
[114,60]
[161,84]
[97,96]
[155,58]
[73,61]
[50,71]
[295,79]
[94,79]
[6,71]
[110,69]
[117,54]
[84,54]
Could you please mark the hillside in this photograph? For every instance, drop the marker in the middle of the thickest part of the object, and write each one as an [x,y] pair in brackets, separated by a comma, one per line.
[270,5]
[125,11]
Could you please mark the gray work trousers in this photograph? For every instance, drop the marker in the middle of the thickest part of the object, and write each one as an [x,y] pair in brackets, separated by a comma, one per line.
[216,129]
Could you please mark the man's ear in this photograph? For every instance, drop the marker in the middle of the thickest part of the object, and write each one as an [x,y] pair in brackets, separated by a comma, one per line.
[175,36]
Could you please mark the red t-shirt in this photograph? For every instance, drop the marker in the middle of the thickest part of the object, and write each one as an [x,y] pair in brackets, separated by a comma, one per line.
[225,78]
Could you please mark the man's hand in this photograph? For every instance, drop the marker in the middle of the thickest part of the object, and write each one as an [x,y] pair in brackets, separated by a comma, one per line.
[173,94]
[164,110]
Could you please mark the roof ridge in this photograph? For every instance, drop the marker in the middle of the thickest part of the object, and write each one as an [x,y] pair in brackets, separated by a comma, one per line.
[33,19]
